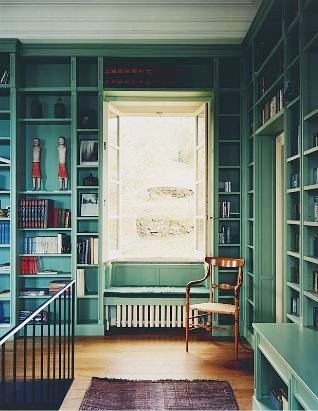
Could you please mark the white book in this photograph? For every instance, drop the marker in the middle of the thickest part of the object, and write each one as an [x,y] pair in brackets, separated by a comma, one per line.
[80,286]
[95,251]
[59,244]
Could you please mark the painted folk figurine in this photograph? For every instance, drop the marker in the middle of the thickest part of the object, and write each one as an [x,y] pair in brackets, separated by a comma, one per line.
[62,172]
[36,164]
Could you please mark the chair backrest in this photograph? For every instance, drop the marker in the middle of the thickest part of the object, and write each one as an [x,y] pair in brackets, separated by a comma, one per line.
[228,262]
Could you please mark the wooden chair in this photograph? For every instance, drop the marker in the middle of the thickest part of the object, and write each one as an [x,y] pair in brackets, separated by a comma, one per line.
[211,307]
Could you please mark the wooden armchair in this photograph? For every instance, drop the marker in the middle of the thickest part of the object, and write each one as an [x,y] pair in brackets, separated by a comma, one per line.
[211,307]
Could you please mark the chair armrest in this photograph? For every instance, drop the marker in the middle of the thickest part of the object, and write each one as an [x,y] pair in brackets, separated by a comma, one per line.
[194,282]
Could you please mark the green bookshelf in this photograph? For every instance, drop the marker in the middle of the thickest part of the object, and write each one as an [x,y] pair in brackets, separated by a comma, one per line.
[44,216]
[7,183]
[227,170]
[88,141]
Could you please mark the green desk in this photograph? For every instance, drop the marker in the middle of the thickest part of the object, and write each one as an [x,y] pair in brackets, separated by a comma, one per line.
[286,354]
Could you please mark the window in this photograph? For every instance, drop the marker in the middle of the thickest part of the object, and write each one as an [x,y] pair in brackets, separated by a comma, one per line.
[156,179]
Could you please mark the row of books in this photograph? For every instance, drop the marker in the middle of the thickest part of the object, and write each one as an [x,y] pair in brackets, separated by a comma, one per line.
[59,244]
[29,265]
[33,292]
[42,316]
[295,305]
[5,233]
[225,209]
[41,213]
[272,107]
[80,282]
[5,268]
[56,285]
[225,235]
[279,398]
[87,250]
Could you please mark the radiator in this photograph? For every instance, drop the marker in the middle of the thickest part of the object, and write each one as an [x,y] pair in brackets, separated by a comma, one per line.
[147,316]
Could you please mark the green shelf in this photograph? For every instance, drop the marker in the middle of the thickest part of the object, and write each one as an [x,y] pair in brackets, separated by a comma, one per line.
[311,223]
[273,126]
[312,295]
[268,92]
[294,318]
[312,150]
[45,90]
[311,259]
[270,55]
[293,102]
[45,255]
[312,114]
[293,254]
[293,23]
[293,222]
[293,190]
[294,286]
[293,158]
[311,187]
[47,193]
[45,120]
[312,43]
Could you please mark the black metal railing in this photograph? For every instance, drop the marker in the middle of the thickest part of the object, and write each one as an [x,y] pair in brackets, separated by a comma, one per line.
[37,356]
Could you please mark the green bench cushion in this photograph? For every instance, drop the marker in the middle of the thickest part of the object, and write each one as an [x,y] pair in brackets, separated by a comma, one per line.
[154,292]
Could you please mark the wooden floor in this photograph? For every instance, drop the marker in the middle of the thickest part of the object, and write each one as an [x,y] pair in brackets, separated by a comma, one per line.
[155,356]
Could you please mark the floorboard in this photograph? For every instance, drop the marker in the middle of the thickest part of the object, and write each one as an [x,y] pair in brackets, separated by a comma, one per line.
[160,356]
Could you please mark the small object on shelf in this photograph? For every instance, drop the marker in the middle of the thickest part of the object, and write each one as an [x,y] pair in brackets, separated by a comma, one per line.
[62,170]
[315,246]
[315,175]
[5,293]
[4,77]
[89,152]
[36,108]
[315,208]
[89,205]
[315,139]
[289,92]
[59,109]
[295,180]
[36,164]
[315,317]
[87,118]
[295,305]
[90,180]
[225,235]
[3,212]
[295,274]
[315,281]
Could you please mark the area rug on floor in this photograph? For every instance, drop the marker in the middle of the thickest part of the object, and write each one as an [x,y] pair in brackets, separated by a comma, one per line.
[117,394]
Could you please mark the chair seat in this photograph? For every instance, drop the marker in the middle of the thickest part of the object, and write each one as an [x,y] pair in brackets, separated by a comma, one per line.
[214,308]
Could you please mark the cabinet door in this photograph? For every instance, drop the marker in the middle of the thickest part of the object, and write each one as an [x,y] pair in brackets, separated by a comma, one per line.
[200,158]
[111,170]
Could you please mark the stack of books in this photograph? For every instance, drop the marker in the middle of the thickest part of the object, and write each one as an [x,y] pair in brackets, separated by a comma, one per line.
[41,213]
[5,268]
[24,314]
[60,244]
[87,251]
[4,233]
[33,292]
[56,285]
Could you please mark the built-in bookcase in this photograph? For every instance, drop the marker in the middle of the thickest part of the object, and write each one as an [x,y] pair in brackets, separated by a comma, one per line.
[44,214]
[249,201]
[228,180]
[89,270]
[7,133]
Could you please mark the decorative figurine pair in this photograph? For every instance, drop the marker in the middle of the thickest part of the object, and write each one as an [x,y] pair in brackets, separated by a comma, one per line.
[36,164]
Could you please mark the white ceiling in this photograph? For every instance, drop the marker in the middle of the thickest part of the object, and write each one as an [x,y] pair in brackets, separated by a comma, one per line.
[164,21]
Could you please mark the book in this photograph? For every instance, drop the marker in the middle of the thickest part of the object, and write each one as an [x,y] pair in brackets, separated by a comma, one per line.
[5,160]
[80,284]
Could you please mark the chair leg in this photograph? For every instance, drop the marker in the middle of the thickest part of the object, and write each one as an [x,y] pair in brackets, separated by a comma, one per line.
[187,326]
[236,336]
